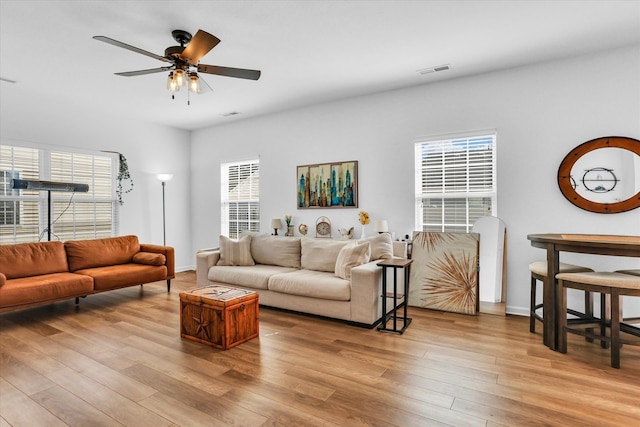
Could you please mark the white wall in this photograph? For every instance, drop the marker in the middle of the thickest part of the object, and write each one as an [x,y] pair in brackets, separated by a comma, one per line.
[540,112]
[149,149]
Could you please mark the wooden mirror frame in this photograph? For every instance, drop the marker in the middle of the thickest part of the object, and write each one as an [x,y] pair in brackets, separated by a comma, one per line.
[564,174]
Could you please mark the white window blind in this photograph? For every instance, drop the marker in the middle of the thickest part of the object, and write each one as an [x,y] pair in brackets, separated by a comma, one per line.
[19,209]
[240,194]
[455,182]
[23,213]
[91,214]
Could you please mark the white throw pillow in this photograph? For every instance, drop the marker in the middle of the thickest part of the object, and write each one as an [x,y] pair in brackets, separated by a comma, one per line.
[381,246]
[235,252]
[320,254]
[352,256]
[276,250]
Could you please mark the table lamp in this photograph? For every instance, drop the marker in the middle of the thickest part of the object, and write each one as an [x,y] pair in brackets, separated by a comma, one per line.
[381,226]
[276,223]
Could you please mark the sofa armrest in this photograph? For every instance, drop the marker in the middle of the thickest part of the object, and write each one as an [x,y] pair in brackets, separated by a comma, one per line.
[3,279]
[169,254]
[205,259]
[366,288]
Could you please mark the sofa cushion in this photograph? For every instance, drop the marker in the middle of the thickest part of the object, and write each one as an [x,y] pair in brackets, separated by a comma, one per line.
[120,275]
[351,256]
[381,246]
[320,254]
[3,279]
[314,284]
[256,276]
[32,259]
[275,250]
[43,288]
[149,258]
[235,252]
[83,254]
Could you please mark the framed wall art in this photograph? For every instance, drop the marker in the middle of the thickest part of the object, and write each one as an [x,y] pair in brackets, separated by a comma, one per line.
[328,185]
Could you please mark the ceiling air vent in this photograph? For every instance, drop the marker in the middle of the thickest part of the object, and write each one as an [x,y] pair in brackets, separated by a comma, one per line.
[434,69]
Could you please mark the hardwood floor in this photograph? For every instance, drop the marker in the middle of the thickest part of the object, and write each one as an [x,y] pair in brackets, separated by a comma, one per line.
[118,359]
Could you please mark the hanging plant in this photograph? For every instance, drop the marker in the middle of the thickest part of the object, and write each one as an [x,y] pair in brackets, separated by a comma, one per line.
[123,175]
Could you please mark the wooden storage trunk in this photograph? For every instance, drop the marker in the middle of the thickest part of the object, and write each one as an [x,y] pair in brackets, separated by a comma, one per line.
[219,316]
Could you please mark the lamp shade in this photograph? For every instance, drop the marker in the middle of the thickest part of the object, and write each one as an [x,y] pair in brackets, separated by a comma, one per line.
[381,226]
[276,223]
[164,177]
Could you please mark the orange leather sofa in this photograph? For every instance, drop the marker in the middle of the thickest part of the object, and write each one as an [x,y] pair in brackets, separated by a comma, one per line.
[40,273]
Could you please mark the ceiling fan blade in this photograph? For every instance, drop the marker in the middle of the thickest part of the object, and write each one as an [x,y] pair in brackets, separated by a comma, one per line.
[198,47]
[143,72]
[240,73]
[131,48]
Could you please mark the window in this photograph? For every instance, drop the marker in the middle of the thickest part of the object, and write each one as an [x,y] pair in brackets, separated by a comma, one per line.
[240,193]
[455,182]
[24,214]
[9,209]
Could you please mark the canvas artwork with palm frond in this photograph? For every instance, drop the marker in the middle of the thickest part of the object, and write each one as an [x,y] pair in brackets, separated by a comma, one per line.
[444,273]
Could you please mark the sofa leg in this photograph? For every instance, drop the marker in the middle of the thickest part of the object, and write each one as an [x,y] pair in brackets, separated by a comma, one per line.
[77,300]
[169,285]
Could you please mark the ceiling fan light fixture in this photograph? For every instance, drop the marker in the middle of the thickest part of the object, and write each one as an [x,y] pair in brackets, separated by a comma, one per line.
[172,84]
[180,76]
[194,82]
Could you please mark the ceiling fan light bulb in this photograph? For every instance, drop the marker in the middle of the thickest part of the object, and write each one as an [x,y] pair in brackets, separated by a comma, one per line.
[194,83]
[172,85]
[180,77]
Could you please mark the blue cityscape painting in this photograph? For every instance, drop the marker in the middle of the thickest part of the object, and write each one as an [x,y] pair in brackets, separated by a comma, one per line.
[328,185]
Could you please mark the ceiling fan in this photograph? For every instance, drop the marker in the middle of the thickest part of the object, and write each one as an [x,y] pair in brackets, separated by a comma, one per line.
[184,60]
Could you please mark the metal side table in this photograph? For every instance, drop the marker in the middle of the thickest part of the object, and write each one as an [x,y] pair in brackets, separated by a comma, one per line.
[395,264]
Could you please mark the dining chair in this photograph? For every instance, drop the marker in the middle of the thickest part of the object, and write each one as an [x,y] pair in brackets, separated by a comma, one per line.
[539,274]
[613,284]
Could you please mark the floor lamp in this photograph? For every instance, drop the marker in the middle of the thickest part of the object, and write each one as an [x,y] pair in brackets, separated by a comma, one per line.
[164,177]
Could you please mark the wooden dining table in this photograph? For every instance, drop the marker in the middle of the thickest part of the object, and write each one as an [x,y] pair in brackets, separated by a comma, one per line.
[613,245]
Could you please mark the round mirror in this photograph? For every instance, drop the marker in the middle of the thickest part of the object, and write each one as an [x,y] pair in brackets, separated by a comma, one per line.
[602,175]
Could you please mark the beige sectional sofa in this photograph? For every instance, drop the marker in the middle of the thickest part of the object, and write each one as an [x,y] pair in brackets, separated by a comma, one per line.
[333,278]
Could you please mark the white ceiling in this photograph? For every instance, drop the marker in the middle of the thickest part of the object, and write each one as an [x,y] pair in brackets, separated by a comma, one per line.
[308,51]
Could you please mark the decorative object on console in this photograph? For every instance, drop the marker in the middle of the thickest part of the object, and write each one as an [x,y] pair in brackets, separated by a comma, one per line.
[287,220]
[328,185]
[381,226]
[364,220]
[444,275]
[594,193]
[164,177]
[346,234]
[303,228]
[323,227]
[276,224]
